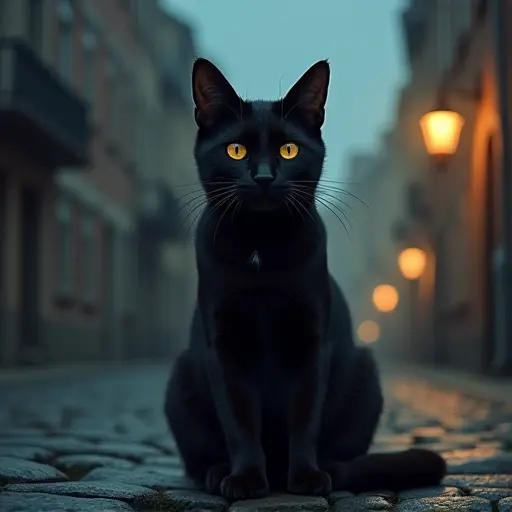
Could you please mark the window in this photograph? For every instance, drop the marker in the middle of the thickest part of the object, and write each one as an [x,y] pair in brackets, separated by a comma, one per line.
[3,209]
[129,273]
[89,257]
[3,15]
[89,41]
[445,42]
[464,13]
[65,248]
[35,23]
[482,9]
[113,96]
[65,49]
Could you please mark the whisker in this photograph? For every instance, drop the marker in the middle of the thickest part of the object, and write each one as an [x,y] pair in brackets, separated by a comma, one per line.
[331,188]
[235,209]
[217,202]
[198,215]
[298,198]
[212,196]
[326,194]
[189,193]
[328,180]
[316,196]
[329,205]
[183,206]
[188,184]
[342,191]
[282,99]
[326,205]
[286,202]
[221,217]
[293,202]
[201,190]
[192,211]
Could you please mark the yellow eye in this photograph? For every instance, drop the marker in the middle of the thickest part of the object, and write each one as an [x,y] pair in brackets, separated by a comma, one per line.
[289,151]
[236,151]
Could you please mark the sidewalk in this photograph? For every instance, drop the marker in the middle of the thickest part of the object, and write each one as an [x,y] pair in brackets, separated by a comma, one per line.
[479,386]
[455,398]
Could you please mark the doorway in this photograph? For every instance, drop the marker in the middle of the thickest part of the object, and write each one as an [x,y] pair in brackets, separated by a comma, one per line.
[109,333]
[492,245]
[3,201]
[29,276]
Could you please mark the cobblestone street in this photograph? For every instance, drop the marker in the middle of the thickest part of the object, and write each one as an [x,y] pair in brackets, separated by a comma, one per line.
[95,439]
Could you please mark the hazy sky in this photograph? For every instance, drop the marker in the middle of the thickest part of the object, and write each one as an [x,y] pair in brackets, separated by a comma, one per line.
[257,43]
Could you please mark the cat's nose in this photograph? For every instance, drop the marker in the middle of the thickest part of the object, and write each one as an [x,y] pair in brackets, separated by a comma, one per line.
[263,176]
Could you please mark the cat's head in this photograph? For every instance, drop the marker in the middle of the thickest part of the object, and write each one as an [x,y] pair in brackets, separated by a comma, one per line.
[260,155]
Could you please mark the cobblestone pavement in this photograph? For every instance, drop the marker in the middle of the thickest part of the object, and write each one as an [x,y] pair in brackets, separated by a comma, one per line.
[96,440]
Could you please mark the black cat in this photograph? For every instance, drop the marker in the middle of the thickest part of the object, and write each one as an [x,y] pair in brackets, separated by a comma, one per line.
[272,392]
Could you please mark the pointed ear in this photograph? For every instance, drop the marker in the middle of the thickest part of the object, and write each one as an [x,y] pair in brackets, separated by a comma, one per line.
[308,96]
[212,93]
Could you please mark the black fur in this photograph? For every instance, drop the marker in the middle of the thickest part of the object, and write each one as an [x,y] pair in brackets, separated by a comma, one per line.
[272,393]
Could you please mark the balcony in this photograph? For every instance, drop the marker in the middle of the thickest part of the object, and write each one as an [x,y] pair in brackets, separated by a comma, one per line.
[39,114]
[159,213]
[414,26]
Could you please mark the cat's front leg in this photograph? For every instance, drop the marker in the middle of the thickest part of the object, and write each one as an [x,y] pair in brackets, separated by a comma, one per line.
[231,376]
[306,399]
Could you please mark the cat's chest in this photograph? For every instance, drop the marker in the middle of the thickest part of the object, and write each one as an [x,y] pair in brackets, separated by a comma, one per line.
[255,260]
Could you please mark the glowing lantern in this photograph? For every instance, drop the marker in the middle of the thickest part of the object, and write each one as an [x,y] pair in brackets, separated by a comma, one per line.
[369,331]
[441,132]
[385,298]
[412,262]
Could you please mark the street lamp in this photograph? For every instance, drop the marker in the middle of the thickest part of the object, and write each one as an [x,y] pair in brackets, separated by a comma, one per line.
[441,130]
[412,263]
[385,298]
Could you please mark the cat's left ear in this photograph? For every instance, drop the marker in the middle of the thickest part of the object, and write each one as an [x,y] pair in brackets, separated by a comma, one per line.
[309,94]
[214,96]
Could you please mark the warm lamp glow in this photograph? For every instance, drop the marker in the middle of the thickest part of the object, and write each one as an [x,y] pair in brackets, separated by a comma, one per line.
[385,298]
[441,132]
[368,331]
[412,263]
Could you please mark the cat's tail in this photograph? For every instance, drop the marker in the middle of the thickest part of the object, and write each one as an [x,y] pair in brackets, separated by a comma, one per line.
[388,471]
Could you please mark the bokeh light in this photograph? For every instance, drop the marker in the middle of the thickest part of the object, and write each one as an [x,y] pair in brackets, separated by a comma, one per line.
[412,262]
[369,331]
[385,298]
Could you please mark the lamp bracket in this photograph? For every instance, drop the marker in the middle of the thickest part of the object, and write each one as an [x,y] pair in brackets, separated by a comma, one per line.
[474,95]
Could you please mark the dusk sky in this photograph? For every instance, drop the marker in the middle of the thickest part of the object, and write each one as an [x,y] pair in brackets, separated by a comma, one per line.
[259,44]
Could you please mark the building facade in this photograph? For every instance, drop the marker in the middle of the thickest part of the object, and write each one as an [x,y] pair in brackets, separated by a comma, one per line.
[454,211]
[166,265]
[88,118]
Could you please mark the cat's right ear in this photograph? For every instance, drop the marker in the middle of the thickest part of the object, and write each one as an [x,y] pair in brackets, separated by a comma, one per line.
[213,94]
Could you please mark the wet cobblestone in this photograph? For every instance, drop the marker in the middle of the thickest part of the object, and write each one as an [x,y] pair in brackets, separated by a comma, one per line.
[99,442]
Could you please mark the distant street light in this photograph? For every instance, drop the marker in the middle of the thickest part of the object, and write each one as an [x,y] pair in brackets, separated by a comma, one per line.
[412,263]
[385,298]
[441,132]
[369,331]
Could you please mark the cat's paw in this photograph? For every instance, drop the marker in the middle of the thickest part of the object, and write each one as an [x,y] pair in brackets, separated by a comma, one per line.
[251,483]
[309,481]
[215,475]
